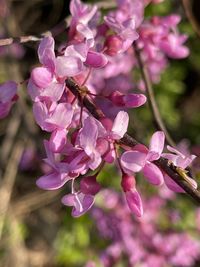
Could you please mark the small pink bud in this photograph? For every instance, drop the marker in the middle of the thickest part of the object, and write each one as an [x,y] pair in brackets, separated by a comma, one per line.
[89,185]
[117,98]
[129,101]
[128,182]
[113,45]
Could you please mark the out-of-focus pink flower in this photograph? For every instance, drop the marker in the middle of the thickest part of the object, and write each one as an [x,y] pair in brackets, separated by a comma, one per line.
[8,95]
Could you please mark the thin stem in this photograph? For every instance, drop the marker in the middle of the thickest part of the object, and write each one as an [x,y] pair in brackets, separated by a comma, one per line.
[81,113]
[164,164]
[58,29]
[87,76]
[151,98]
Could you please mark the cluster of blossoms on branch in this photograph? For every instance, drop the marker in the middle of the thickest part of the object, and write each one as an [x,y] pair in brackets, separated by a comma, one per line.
[98,55]
[152,240]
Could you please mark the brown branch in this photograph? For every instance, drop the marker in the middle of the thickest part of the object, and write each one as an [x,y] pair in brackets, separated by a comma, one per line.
[187,5]
[164,164]
[58,29]
[151,98]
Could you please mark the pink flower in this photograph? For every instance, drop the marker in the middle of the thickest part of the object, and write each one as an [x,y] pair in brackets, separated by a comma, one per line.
[53,117]
[8,96]
[141,159]
[98,141]
[80,202]
[124,30]
[81,13]
[63,166]
[43,84]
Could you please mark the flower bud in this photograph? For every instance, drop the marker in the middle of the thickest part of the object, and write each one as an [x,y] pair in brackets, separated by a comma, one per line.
[128,182]
[89,185]
[129,101]
[113,45]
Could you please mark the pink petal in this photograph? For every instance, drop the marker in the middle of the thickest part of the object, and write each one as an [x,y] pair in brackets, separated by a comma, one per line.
[41,113]
[41,76]
[58,140]
[153,174]
[133,161]
[5,109]
[157,144]
[46,52]
[7,91]
[77,50]
[96,60]
[68,66]
[53,91]
[52,181]
[172,185]
[175,151]
[88,135]
[134,202]
[81,203]
[61,117]
[95,160]
[89,185]
[120,124]
[68,200]
[134,100]
[50,155]
[87,34]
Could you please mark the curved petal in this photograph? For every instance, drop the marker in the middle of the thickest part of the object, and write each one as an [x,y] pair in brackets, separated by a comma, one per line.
[61,117]
[88,135]
[68,66]
[153,174]
[41,77]
[5,109]
[134,202]
[81,203]
[58,140]
[52,181]
[133,161]
[46,52]
[96,60]
[172,185]
[134,100]
[7,91]
[120,124]
[157,144]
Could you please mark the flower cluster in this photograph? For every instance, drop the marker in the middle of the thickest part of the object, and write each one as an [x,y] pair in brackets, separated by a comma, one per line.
[142,241]
[99,57]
